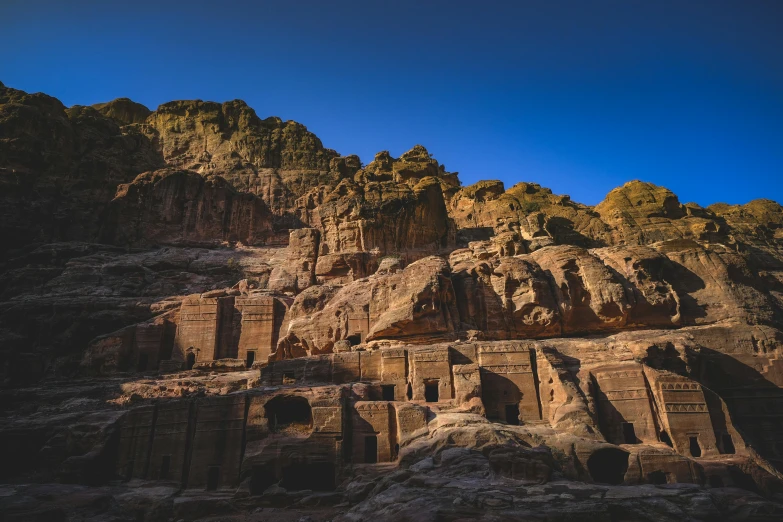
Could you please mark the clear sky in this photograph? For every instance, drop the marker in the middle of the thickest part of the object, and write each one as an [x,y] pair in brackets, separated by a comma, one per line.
[577,95]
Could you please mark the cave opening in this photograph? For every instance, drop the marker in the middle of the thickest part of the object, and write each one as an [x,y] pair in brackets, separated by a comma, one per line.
[262,478]
[608,465]
[318,476]
[354,339]
[191,360]
[290,414]
[656,477]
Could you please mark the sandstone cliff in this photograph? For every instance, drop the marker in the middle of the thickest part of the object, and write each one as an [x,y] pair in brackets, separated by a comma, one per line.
[205,299]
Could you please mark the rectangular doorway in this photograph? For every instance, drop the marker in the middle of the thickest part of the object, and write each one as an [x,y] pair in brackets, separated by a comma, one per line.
[165,467]
[629,433]
[213,477]
[143,362]
[251,358]
[512,414]
[370,449]
[388,392]
[431,393]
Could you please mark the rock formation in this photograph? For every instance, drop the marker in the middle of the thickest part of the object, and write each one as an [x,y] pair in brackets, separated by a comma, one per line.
[206,314]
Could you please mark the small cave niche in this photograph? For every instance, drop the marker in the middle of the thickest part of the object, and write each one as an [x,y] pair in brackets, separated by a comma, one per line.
[190,360]
[289,414]
[608,466]
[355,339]
[656,477]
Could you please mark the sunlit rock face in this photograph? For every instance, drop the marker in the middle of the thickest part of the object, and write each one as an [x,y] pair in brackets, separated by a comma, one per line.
[205,312]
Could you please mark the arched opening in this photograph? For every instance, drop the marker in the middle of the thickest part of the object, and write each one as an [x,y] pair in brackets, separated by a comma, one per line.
[289,414]
[354,339]
[608,465]
[190,360]
[656,477]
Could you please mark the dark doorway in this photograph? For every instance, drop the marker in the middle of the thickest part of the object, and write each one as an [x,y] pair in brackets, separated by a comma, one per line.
[666,439]
[656,477]
[165,466]
[129,470]
[354,339]
[262,478]
[431,390]
[695,448]
[191,360]
[251,358]
[728,444]
[143,361]
[512,414]
[409,392]
[608,465]
[318,476]
[388,392]
[370,449]
[213,477]
[629,434]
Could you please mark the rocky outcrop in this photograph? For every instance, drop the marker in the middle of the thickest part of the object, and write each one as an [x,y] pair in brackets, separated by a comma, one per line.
[176,206]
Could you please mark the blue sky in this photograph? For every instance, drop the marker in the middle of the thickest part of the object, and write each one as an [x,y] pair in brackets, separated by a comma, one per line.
[579,96]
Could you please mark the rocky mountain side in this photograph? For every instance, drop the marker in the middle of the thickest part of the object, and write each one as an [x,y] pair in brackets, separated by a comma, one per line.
[204,313]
